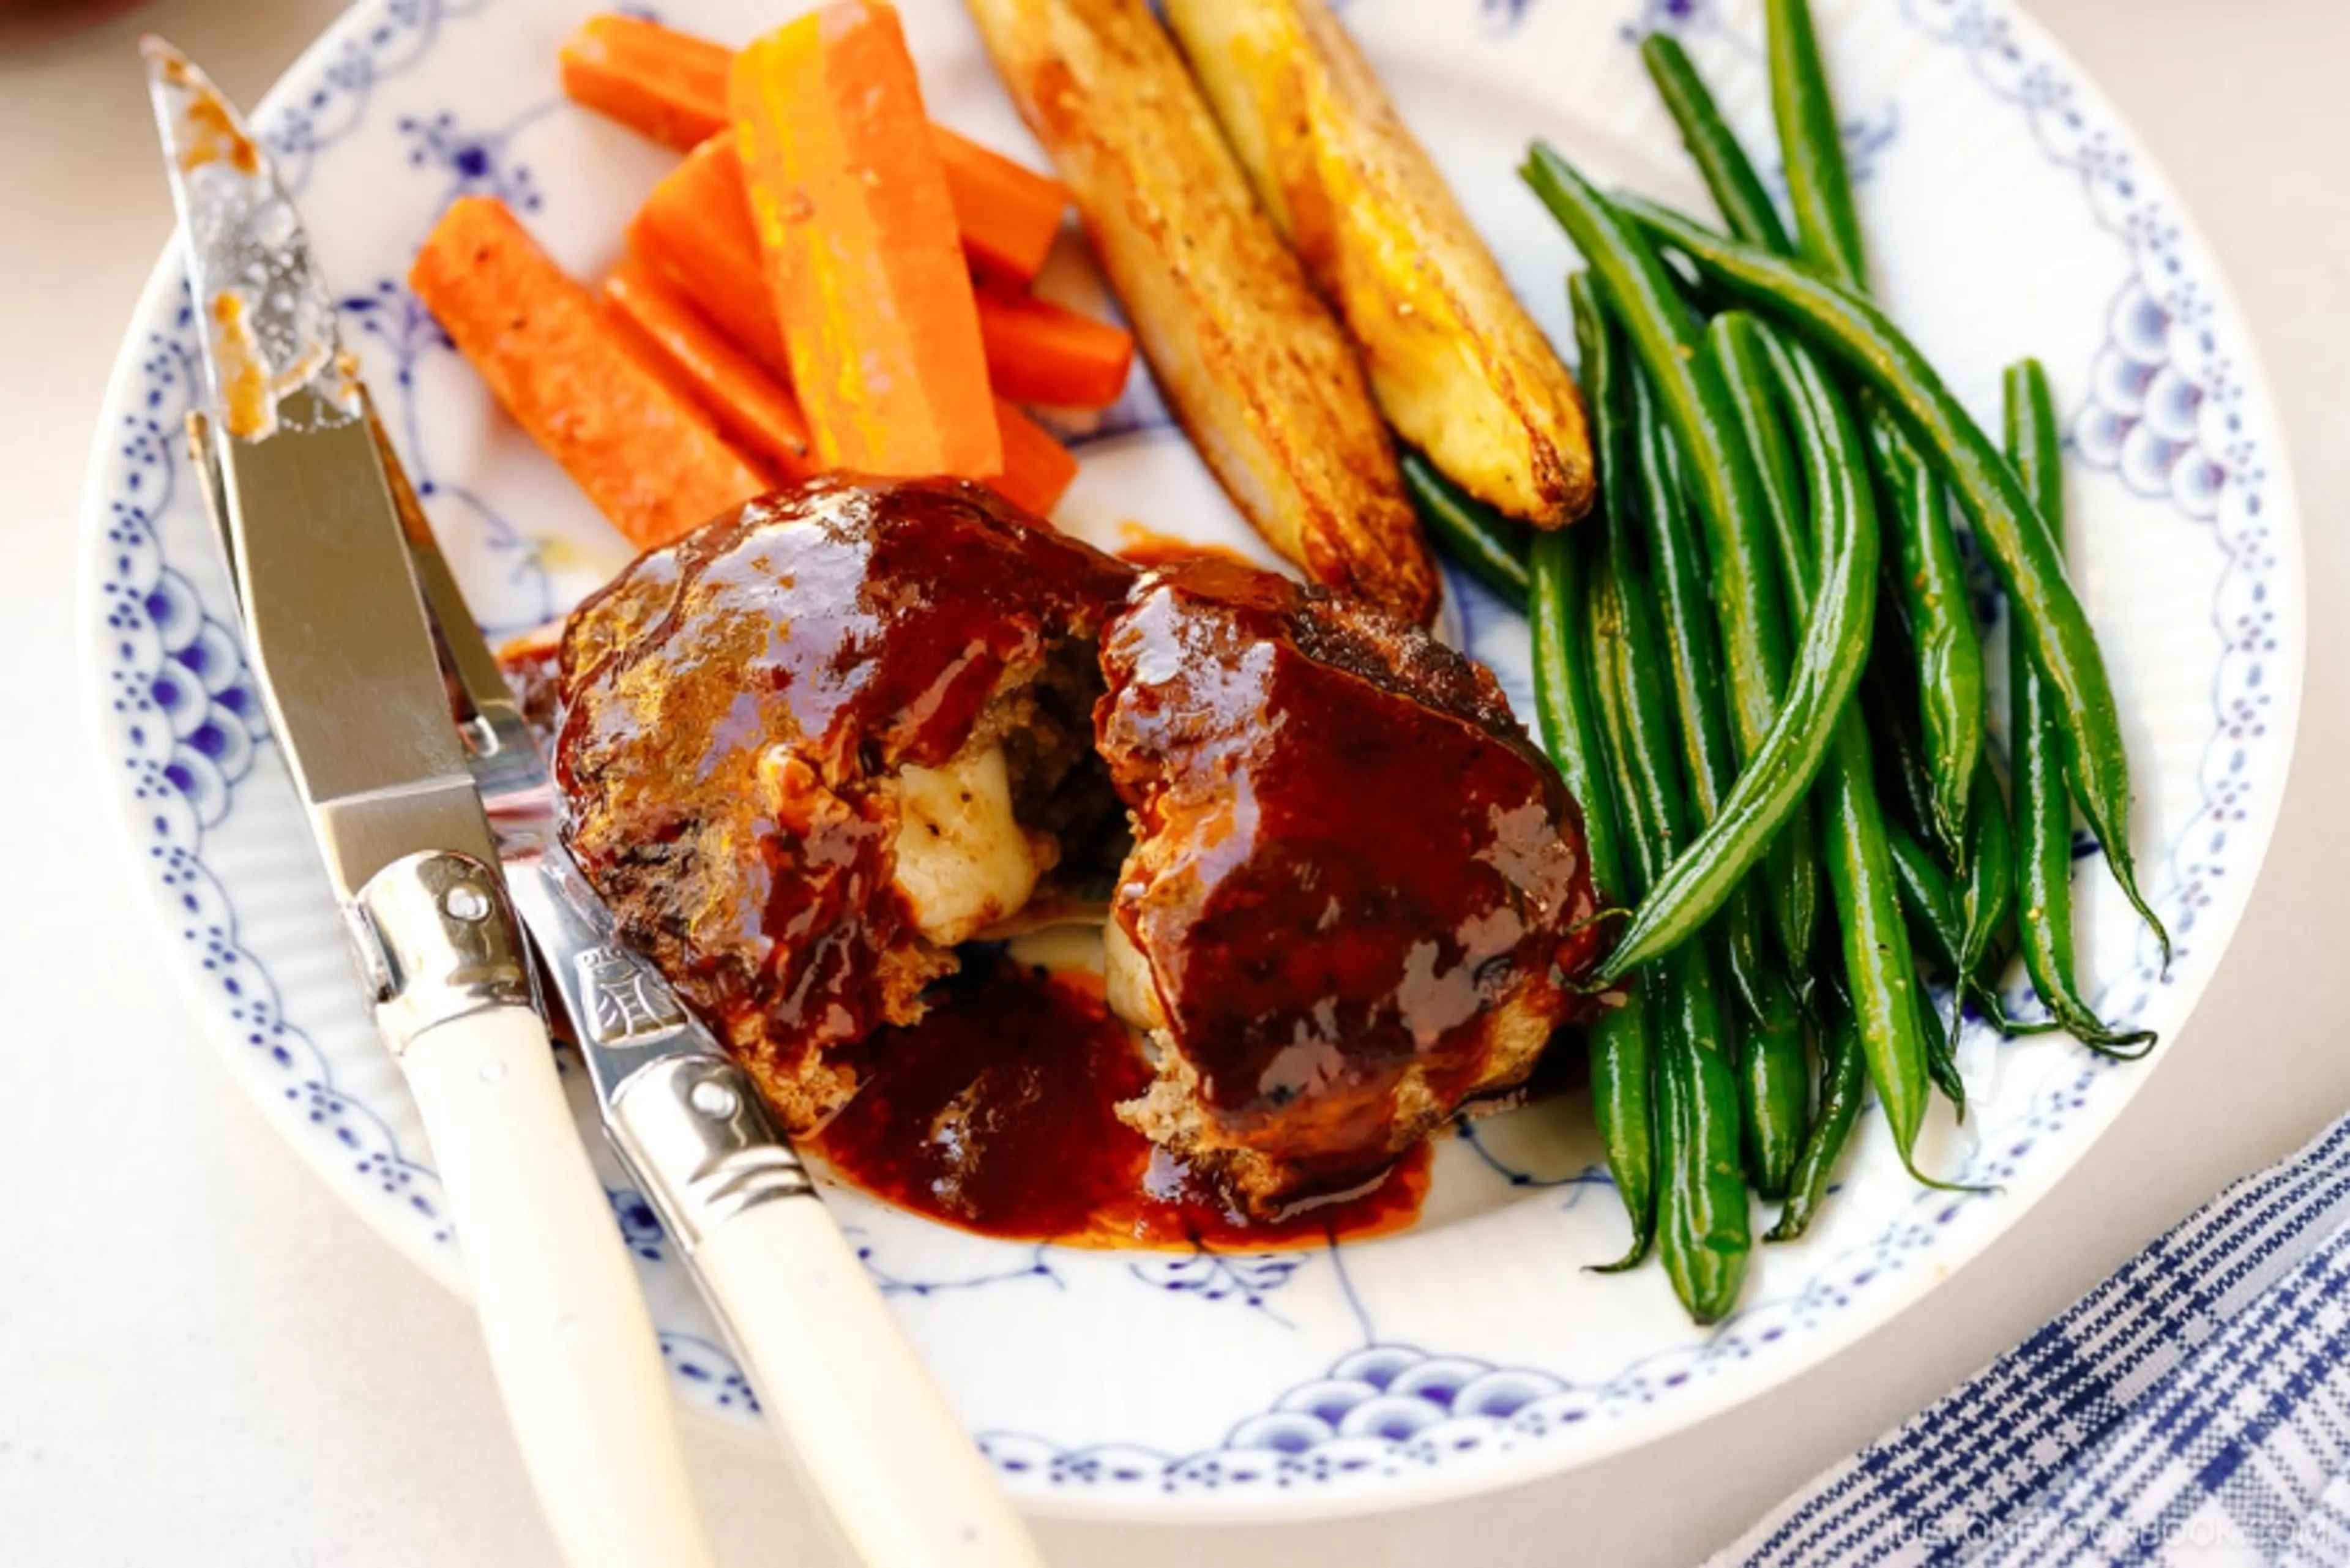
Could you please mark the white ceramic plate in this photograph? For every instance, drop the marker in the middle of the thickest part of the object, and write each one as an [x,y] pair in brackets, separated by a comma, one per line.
[2009,210]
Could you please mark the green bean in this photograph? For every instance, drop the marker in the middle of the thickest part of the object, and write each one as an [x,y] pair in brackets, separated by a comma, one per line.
[1781,768]
[1738,337]
[1877,960]
[1938,912]
[1773,1087]
[1810,143]
[1773,1075]
[1728,172]
[2044,852]
[1490,547]
[1951,669]
[1990,892]
[1608,379]
[1617,1044]
[1645,767]
[1926,897]
[1702,1225]
[1747,601]
[1931,585]
[1906,781]
[1704,1230]
[1986,901]
[1950,672]
[1876,945]
[2051,626]
[1677,565]
[1930,580]
[1772,1071]
[1901,1054]
[1840,1096]
[1740,342]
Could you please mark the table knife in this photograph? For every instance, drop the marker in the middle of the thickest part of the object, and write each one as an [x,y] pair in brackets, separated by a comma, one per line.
[293,474]
[853,1405]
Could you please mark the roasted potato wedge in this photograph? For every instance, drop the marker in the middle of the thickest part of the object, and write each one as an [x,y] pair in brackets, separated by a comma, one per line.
[1458,366]
[1255,366]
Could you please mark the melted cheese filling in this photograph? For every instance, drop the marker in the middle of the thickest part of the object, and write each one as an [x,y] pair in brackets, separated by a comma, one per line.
[1127,983]
[963,862]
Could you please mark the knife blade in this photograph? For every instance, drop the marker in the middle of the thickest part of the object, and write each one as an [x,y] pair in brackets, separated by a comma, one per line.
[852,1403]
[296,482]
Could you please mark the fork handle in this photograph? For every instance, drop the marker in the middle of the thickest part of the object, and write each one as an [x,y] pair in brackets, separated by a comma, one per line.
[569,1337]
[853,1404]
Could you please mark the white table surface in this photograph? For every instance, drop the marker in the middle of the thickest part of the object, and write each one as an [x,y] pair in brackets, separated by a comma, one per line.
[204,1359]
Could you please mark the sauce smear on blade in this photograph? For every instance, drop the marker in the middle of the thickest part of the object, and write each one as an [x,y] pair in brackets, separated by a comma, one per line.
[994,1114]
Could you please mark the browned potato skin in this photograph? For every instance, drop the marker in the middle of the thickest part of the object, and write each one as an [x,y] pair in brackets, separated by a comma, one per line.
[1259,372]
[1458,366]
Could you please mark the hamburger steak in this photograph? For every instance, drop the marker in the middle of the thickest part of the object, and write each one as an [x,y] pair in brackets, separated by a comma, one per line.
[812,747]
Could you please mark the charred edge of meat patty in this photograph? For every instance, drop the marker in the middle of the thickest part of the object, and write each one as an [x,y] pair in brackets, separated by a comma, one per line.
[1266,1180]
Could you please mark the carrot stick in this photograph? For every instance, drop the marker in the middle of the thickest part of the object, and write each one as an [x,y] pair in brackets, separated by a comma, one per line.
[652,463]
[1037,467]
[1039,352]
[850,205]
[695,230]
[671,87]
[658,82]
[754,409]
[1009,213]
[655,358]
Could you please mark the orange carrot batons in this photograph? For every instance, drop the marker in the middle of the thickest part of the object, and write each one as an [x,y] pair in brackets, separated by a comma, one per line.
[1009,213]
[662,84]
[1037,469]
[651,461]
[1039,352]
[671,87]
[695,229]
[850,205]
[751,406]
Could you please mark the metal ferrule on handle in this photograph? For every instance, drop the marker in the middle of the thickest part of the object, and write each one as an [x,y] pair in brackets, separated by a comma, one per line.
[435,941]
[688,1122]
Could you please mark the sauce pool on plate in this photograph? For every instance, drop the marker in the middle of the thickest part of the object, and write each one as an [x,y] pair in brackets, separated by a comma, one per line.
[995,1113]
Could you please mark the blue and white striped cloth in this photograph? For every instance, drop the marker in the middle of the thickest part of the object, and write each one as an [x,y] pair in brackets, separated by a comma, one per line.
[2194,1410]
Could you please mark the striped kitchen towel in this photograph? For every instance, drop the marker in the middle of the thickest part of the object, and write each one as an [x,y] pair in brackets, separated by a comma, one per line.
[2192,1409]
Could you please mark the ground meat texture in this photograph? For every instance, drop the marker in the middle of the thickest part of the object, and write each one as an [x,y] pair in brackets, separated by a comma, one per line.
[751,715]
[1357,896]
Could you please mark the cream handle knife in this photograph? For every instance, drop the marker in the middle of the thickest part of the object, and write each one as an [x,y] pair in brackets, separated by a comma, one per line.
[314,543]
[569,1337]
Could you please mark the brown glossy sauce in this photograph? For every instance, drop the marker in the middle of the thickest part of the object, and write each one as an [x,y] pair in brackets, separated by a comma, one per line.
[1357,858]
[733,704]
[1146,547]
[247,412]
[212,131]
[994,1114]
